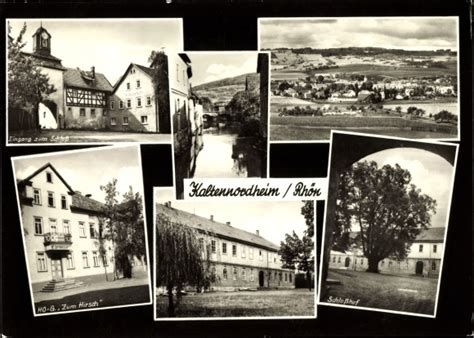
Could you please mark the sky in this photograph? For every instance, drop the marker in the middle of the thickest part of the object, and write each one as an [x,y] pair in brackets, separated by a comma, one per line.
[272,219]
[87,170]
[212,66]
[109,45]
[430,172]
[403,33]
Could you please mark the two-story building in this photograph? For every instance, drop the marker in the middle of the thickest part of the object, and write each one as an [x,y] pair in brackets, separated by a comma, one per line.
[424,257]
[61,231]
[239,259]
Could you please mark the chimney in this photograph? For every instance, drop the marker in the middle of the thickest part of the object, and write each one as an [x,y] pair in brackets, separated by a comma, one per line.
[93,72]
[227,223]
[211,218]
[88,195]
[257,232]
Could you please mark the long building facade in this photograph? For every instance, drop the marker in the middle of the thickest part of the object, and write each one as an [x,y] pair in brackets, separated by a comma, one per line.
[424,258]
[239,259]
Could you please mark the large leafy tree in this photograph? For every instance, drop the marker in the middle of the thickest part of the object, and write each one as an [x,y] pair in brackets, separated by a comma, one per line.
[160,80]
[389,211]
[244,104]
[298,253]
[27,85]
[182,259]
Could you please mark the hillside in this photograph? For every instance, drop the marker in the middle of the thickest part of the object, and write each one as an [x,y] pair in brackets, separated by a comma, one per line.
[223,90]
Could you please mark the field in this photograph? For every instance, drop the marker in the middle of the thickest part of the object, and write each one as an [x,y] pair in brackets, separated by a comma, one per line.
[381,291]
[296,302]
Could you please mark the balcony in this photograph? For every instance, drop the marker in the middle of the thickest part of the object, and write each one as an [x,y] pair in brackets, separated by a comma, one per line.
[55,241]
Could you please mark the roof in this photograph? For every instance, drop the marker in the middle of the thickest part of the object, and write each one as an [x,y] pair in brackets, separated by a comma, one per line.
[435,234]
[219,229]
[46,60]
[185,57]
[148,71]
[82,202]
[40,30]
[26,181]
[79,79]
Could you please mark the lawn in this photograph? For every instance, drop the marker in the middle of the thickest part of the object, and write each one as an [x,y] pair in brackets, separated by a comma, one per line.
[382,291]
[273,303]
[96,299]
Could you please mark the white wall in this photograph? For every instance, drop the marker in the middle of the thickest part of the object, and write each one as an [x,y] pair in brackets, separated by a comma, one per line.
[46,117]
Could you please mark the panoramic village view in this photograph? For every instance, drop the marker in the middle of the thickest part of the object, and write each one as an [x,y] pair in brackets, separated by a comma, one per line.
[57,93]
[220,115]
[221,259]
[392,76]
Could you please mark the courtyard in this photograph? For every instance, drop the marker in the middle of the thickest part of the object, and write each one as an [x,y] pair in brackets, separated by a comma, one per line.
[262,303]
[382,291]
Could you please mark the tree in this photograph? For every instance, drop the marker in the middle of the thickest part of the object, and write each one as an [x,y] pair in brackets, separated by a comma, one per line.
[398,109]
[445,116]
[297,253]
[244,104]
[182,259]
[159,65]
[284,86]
[27,85]
[388,209]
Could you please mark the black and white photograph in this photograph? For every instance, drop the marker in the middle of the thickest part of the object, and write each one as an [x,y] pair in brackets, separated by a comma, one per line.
[233,259]
[394,76]
[220,115]
[386,223]
[83,229]
[89,80]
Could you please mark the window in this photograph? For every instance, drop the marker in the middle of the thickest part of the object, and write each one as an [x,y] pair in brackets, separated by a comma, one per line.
[286,277]
[51,199]
[383,262]
[128,85]
[41,262]
[339,259]
[92,112]
[224,273]
[112,104]
[38,226]
[201,244]
[234,250]
[125,120]
[334,259]
[148,100]
[291,278]
[85,259]
[113,121]
[243,274]
[213,246]
[95,258]
[251,253]
[234,273]
[70,261]
[144,119]
[251,275]
[82,112]
[260,255]
[92,231]
[36,196]
[53,225]
[121,104]
[224,248]
[63,202]
[433,266]
[138,83]
[49,177]
[82,229]
[435,248]
[129,103]
[66,227]
[281,277]
[420,248]
[139,101]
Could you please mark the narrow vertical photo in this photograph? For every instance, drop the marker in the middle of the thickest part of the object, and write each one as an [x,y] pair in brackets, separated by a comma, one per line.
[396,76]
[89,80]
[83,229]
[233,260]
[219,104]
[386,223]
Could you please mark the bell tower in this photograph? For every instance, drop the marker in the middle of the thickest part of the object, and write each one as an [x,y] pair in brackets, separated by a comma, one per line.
[42,41]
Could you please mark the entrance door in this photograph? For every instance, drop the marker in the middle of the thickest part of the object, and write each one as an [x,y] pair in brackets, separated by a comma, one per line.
[347,262]
[419,268]
[57,269]
[260,279]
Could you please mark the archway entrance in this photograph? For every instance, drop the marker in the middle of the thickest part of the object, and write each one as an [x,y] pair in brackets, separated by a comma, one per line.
[347,262]
[419,268]
[261,279]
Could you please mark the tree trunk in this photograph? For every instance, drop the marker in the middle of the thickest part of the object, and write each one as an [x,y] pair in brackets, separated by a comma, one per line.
[373,264]
[308,280]
[170,302]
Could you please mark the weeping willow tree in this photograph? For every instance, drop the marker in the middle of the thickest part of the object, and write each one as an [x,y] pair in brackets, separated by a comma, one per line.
[182,259]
